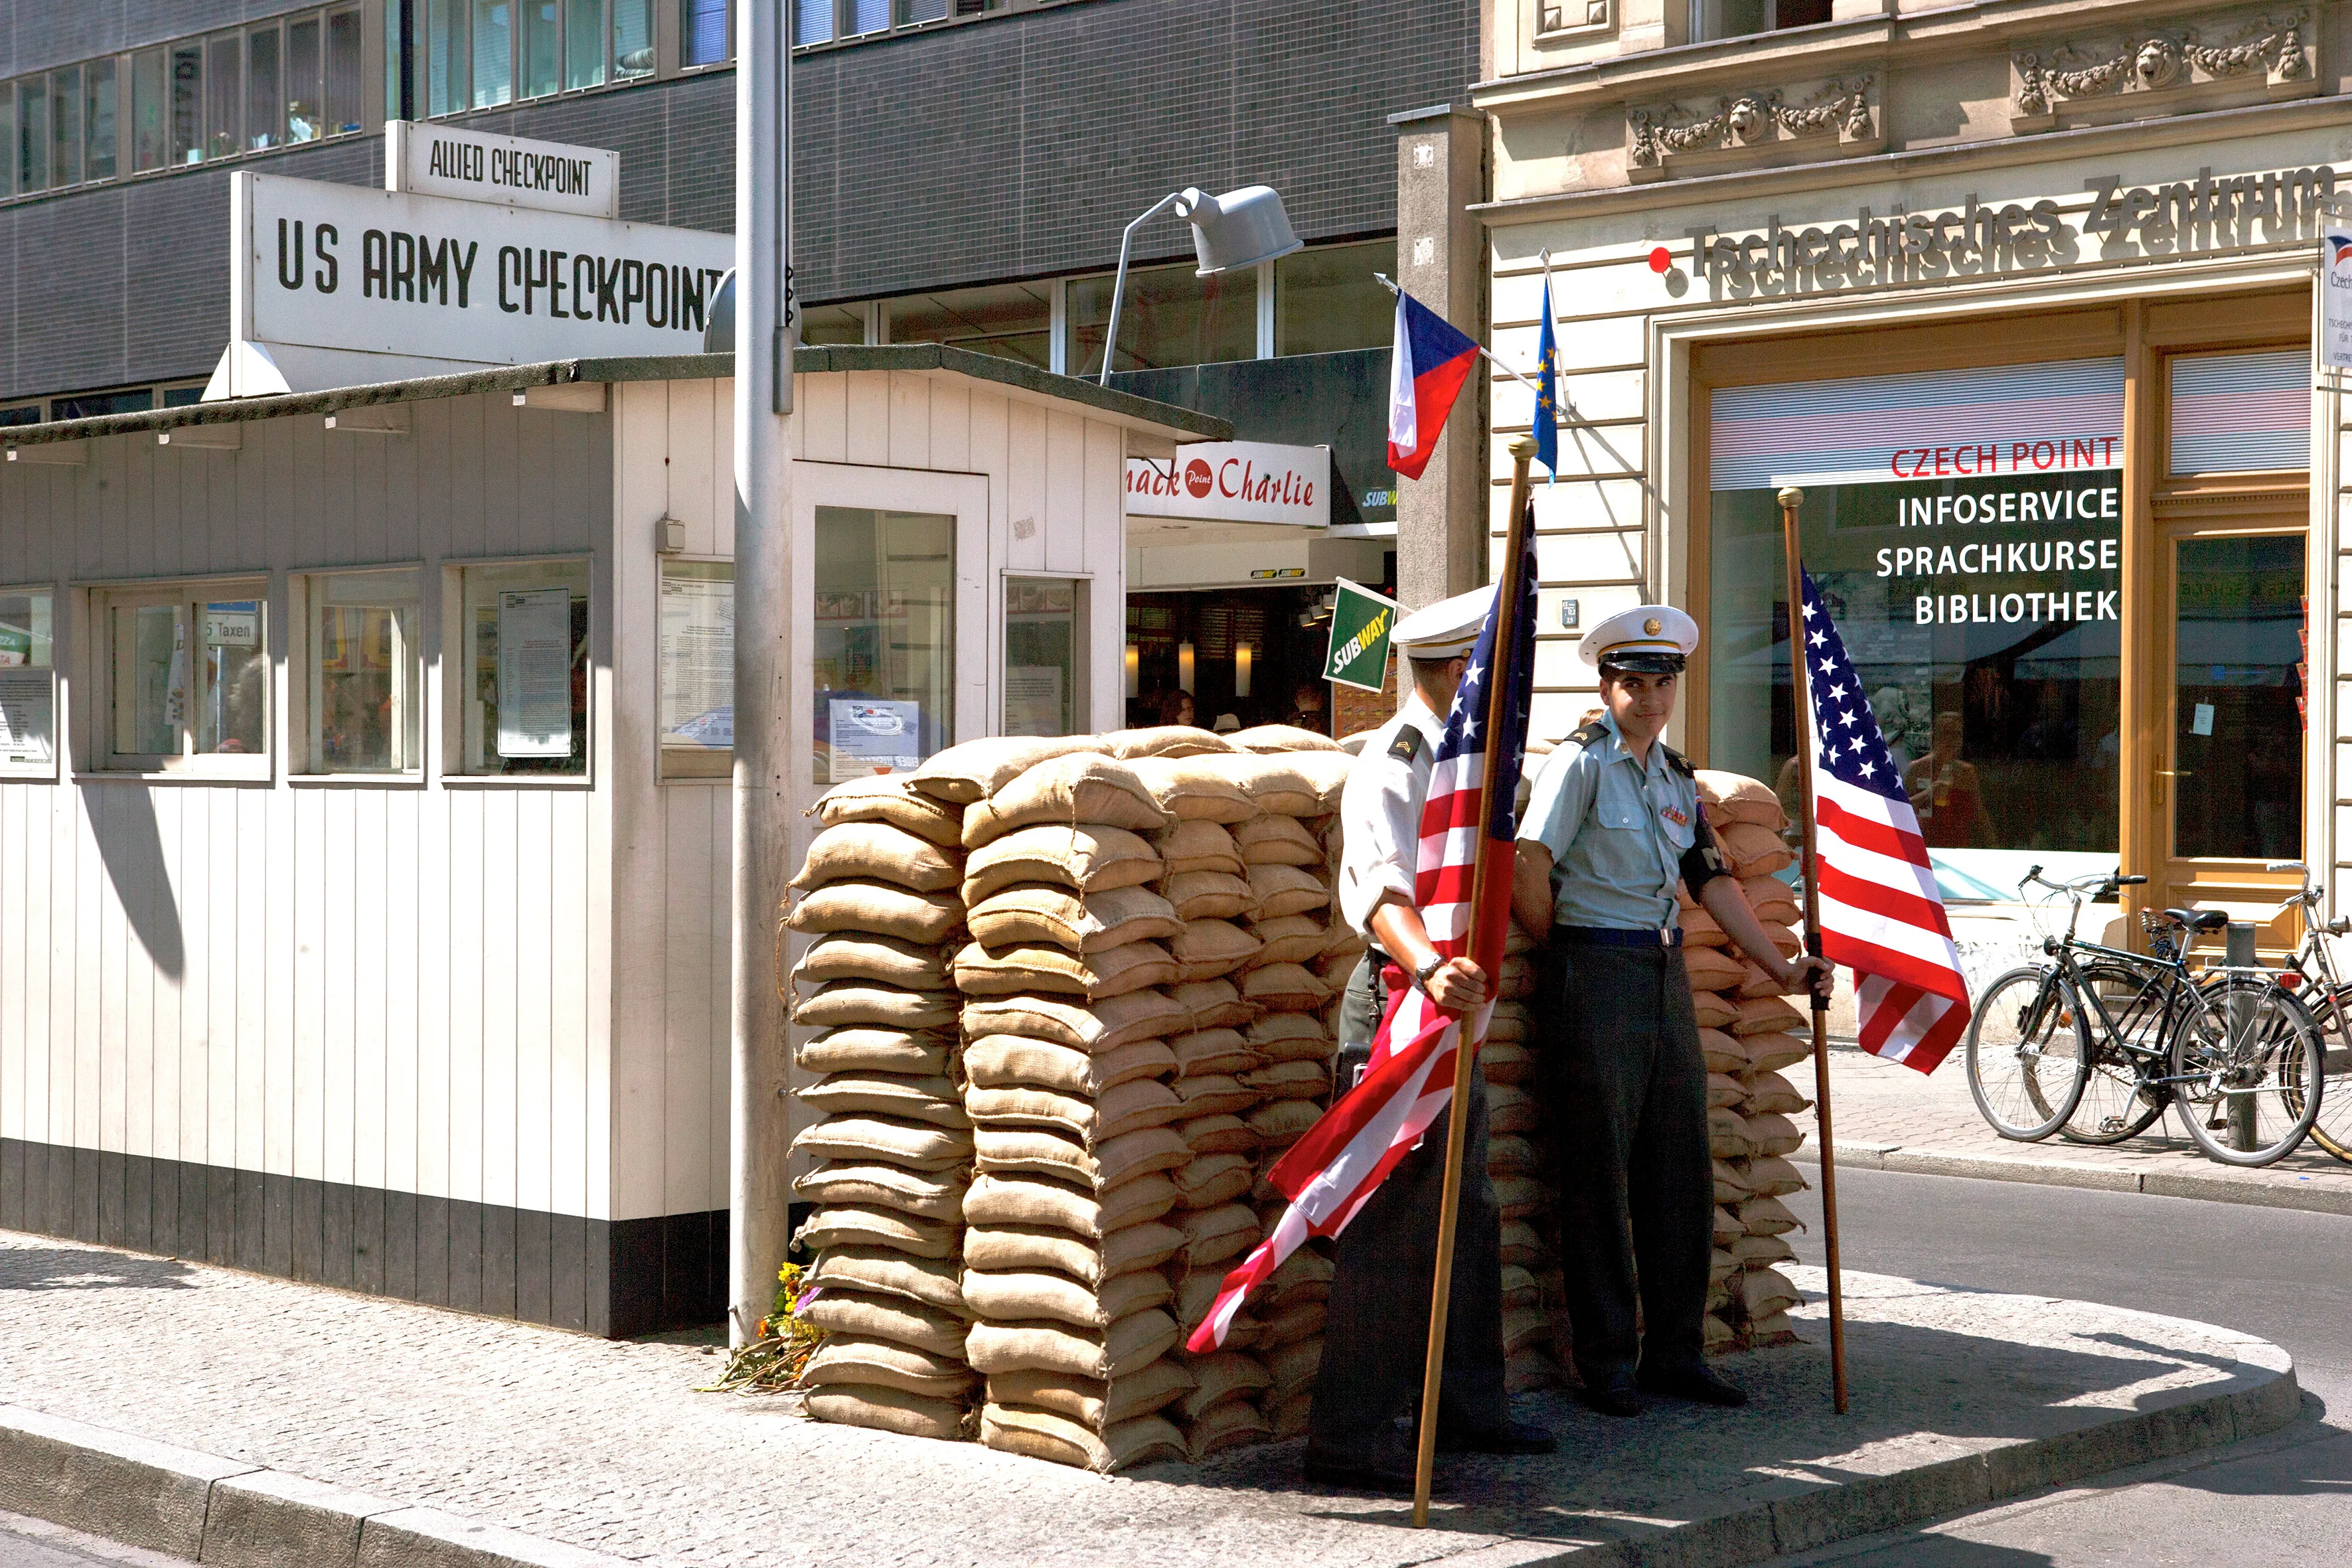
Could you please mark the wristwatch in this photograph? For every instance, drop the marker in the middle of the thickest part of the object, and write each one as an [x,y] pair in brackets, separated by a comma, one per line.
[1421,976]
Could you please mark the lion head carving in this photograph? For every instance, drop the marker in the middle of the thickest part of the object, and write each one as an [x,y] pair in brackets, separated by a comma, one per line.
[2157,63]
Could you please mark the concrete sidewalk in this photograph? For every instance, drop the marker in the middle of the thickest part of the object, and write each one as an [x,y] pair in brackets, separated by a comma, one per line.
[316,1425]
[1890,1118]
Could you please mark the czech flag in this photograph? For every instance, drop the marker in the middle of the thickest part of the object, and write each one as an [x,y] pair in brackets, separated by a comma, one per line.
[1426,371]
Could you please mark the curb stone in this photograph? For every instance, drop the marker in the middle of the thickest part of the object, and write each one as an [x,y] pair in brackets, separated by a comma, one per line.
[205,1507]
[2313,1199]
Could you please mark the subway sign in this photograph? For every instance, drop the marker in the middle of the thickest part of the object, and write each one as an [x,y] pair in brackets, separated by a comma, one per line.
[1234,481]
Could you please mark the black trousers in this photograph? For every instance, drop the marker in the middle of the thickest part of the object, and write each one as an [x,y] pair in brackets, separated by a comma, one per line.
[1625,1107]
[1376,1325]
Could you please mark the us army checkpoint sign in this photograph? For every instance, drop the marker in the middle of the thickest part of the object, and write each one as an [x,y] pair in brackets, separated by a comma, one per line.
[1361,623]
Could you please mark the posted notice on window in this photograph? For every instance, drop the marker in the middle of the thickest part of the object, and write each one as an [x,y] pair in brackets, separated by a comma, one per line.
[1032,700]
[697,663]
[28,717]
[535,672]
[868,736]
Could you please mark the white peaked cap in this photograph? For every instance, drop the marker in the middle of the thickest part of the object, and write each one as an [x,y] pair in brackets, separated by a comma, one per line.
[1446,629]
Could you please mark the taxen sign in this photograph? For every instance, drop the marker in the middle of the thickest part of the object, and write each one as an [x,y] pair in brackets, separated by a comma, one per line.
[435,159]
[1234,481]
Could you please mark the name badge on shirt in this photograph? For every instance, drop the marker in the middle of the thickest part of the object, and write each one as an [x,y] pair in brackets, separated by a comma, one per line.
[1678,818]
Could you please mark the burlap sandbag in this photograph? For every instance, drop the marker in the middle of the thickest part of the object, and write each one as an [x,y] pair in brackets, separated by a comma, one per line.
[852,955]
[1766,1015]
[1210,895]
[1735,797]
[1200,845]
[918,1055]
[1289,1037]
[1506,1061]
[1217,1377]
[1128,1108]
[1282,1122]
[1282,738]
[1235,1424]
[1770,1176]
[1196,1293]
[1090,857]
[1772,900]
[850,1004]
[1277,781]
[1700,930]
[1768,1093]
[1214,1005]
[875,851]
[1727,1225]
[1771,1052]
[1274,840]
[1289,1081]
[892,798]
[1084,923]
[1010,1061]
[1196,789]
[1213,1235]
[1166,741]
[1720,1267]
[1287,1417]
[1211,1180]
[1057,971]
[1022,1199]
[1286,890]
[1505,1156]
[931,1281]
[1766,1216]
[873,1316]
[1763,1251]
[1222,1133]
[1764,1291]
[1519,1196]
[851,1224]
[1722,1089]
[1284,988]
[867,1138]
[889,1410]
[879,908]
[1305,1276]
[1287,1323]
[1094,1404]
[1755,983]
[1510,1110]
[1726,1134]
[1038,1295]
[1212,1094]
[1207,1051]
[1041,1434]
[1713,969]
[1079,787]
[1773,1135]
[870,1183]
[1124,1347]
[1206,949]
[935,1099]
[1731,1182]
[1289,938]
[1754,851]
[1713,1012]
[1721,1052]
[961,775]
[1093,1027]
[1088,1261]
[848,1357]
[1293,1366]
[1039,1151]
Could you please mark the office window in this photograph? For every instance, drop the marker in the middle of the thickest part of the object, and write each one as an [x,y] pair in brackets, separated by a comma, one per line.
[7,139]
[27,679]
[698,669]
[1042,668]
[99,132]
[96,405]
[1326,300]
[346,111]
[444,89]
[813,22]
[703,34]
[1169,318]
[583,43]
[1011,321]
[858,16]
[915,11]
[224,133]
[22,414]
[633,37]
[188,103]
[826,325]
[65,127]
[32,135]
[150,110]
[524,666]
[363,686]
[262,105]
[493,52]
[542,47]
[885,637]
[183,397]
[1712,20]
[303,121]
[188,677]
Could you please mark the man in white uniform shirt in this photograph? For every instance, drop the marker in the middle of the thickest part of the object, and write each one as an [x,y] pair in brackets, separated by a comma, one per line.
[1376,1329]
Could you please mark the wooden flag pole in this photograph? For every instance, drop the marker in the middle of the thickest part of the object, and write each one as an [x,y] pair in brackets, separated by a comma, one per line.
[1466,1056]
[1801,696]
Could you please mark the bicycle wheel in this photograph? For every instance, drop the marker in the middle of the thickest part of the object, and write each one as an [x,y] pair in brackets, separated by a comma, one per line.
[2117,1101]
[2332,1130]
[2248,1070]
[2027,1047]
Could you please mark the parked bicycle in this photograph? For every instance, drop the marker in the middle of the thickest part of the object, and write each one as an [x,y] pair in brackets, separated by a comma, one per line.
[2311,971]
[2133,1033]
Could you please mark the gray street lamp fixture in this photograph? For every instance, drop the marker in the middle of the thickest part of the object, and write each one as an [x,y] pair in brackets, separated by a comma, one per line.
[1230,233]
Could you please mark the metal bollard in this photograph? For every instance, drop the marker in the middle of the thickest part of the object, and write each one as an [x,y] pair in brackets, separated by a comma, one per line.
[2239,953]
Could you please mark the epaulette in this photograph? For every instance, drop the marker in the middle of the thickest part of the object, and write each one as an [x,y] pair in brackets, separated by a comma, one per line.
[1407,744]
[1591,734]
[1677,762]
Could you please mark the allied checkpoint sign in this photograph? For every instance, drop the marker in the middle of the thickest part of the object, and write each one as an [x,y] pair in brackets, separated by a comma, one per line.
[1361,622]
[429,159]
[342,267]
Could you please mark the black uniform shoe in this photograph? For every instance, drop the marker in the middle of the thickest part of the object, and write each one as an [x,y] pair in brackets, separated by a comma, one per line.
[1613,1396]
[1510,1437]
[1694,1383]
[1390,1472]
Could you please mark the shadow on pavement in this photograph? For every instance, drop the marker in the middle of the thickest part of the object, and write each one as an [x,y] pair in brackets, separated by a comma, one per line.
[84,1268]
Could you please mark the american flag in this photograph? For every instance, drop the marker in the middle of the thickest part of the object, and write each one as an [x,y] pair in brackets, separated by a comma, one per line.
[1881,912]
[1470,815]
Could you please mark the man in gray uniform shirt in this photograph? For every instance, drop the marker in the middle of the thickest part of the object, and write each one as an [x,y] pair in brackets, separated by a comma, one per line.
[1376,1324]
[1613,823]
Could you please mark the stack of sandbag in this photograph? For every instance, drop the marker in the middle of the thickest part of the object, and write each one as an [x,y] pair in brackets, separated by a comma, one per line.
[891,1145]
[1534,1294]
[1070,1005]
[1749,1034]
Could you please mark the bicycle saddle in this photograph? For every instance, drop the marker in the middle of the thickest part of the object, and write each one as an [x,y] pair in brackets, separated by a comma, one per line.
[2198,920]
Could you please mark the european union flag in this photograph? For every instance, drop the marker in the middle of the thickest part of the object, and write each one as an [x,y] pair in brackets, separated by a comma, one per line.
[1548,392]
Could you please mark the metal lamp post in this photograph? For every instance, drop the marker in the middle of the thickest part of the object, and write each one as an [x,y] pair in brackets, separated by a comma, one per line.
[1236,230]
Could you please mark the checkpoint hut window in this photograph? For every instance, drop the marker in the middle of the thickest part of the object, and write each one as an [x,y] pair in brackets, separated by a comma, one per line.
[28,681]
[359,697]
[884,640]
[522,669]
[186,677]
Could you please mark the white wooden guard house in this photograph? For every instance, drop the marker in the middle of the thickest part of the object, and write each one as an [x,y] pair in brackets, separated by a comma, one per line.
[364,814]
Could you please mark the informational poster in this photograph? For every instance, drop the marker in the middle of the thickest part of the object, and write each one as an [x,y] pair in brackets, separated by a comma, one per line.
[1032,700]
[869,735]
[27,713]
[2335,300]
[535,672]
[698,662]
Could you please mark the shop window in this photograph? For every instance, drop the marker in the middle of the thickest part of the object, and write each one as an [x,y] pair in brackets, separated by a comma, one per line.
[822,325]
[2238,697]
[1011,321]
[362,688]
[187,678]
[1326,300]
[698,669]
[884,640]
[1171,317]
[1043,666]
[705,35]
[29,689]
[99,133]
[522,658]
[2238,413]
[1977,581]
[1712,20]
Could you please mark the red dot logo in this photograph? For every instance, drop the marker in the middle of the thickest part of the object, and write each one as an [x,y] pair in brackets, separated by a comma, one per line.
[1660,259]
[1196,477]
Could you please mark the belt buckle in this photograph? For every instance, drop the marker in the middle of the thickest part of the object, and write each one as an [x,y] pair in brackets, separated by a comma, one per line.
[1665,936]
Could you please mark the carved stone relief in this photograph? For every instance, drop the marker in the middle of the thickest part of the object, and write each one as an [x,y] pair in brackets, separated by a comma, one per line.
[2220,57]
[1843,113]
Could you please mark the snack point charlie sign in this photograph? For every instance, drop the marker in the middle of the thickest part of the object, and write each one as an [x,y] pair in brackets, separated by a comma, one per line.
[1234,481]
